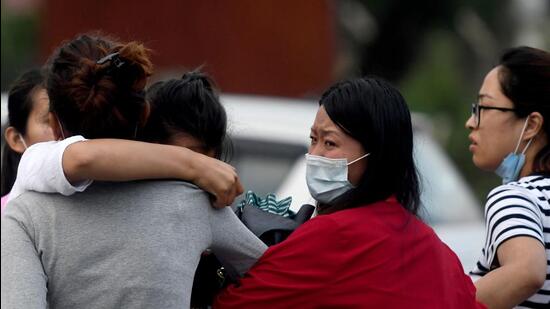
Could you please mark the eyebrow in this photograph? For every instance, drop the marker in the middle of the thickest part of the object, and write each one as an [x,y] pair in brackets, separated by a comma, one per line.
[326,132]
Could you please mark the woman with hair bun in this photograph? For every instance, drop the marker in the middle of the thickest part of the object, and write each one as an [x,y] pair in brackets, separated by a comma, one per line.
[133,244]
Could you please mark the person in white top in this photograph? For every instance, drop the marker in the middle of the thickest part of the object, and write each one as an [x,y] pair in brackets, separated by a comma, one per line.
[510,130]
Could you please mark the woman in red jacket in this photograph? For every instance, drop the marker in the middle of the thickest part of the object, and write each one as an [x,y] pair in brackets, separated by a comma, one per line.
[367,248]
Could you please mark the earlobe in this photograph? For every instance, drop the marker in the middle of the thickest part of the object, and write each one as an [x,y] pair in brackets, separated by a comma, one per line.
[13,139]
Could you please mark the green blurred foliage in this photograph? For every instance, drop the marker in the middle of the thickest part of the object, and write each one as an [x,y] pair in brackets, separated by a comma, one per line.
[19,45]
[437,84]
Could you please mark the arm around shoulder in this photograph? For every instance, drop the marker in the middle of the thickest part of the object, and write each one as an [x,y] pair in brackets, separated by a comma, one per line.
[125,160]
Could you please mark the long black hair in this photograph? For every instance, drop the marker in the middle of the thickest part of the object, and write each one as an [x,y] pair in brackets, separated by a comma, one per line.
[524,77]
[375,114]
[20,105]
[188,105]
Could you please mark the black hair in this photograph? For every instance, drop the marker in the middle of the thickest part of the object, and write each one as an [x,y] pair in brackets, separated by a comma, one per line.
[524,77]
[375,114]
[20,105]
[188,105]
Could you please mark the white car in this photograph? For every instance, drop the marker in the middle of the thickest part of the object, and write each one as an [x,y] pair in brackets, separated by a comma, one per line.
[271,136]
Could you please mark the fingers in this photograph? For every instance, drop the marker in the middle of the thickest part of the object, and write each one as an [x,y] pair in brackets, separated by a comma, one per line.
[223,183]
[240,188]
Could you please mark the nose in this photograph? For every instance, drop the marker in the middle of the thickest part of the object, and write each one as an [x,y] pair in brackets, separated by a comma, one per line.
[470,123]
[315,150]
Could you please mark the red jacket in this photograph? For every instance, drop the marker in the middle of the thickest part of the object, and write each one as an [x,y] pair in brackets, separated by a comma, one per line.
[376,256]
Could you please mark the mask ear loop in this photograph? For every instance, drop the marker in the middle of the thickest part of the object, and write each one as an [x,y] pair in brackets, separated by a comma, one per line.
[519,141]
[60,126]
[23,141]
[364,156]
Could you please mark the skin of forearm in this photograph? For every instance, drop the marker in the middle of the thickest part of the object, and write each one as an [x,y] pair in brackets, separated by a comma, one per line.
[506,287]
[120,160]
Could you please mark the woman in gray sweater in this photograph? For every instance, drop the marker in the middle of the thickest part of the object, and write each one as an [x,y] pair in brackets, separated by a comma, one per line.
[116,245]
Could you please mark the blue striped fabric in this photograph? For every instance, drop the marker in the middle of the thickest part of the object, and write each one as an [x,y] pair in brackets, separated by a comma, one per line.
[269,204]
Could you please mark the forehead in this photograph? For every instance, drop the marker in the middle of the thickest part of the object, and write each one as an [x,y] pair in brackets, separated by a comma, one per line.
[323,124]
[491,91]
[491,85]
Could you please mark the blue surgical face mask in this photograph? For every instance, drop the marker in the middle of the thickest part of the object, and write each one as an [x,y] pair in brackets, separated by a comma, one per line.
[326,178]
[512,164]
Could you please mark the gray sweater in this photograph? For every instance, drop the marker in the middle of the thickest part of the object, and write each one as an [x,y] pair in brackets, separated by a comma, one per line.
[123,245]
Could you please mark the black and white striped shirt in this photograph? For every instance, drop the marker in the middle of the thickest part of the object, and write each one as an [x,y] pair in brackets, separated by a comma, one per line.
[519,208]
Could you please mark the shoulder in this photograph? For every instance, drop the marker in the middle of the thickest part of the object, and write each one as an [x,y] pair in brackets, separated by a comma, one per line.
[320,224]
[160,189]
[525,193]
[40,148]
[23,211]
[338,229]
[317,234]
[44,156]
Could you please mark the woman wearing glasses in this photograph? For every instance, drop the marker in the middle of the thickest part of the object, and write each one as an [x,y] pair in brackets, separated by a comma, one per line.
[510,128]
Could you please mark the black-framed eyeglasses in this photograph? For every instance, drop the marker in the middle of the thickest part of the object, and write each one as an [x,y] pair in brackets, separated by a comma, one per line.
[476,111]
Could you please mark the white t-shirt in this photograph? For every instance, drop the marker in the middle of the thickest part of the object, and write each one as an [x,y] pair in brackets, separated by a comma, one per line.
[41,170]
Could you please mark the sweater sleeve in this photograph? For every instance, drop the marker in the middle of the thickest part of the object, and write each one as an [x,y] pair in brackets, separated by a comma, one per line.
[291,273]
[232,241]
[24,283]
[41,170]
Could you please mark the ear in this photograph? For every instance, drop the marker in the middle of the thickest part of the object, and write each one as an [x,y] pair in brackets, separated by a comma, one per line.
[13,138]
[534,125]
[54,124]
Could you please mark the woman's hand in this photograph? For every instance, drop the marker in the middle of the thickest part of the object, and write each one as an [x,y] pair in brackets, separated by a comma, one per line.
[217,178]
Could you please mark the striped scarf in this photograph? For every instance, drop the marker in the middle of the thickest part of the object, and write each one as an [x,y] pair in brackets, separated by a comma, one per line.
[269,204]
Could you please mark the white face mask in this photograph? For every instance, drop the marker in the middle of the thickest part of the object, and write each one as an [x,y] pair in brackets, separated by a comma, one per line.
[23,141]
[327,179]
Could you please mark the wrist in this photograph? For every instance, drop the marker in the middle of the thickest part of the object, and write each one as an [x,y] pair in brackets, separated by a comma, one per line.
[189,164]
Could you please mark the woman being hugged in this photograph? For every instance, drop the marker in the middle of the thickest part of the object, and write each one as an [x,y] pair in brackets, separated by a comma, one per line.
[510,130]
[366,248]
[115,245]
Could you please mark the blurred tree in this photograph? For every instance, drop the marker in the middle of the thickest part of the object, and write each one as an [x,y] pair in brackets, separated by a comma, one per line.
[19,42]
[438,53]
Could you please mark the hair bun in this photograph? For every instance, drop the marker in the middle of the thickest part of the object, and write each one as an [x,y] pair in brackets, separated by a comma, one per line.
[91,87]
[136,66]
